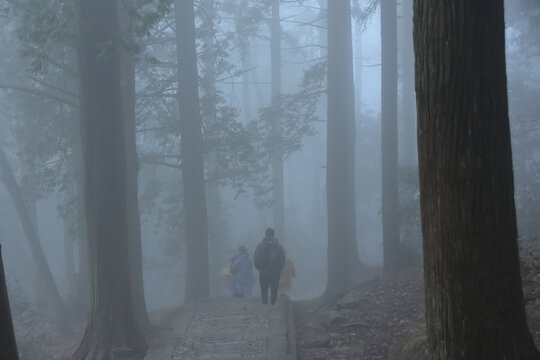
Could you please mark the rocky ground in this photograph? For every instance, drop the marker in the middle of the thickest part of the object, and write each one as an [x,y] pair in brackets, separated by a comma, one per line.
[384,318]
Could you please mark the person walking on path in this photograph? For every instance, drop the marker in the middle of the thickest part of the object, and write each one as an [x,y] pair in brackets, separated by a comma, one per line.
[269,259]
[227,281]
[287,274]
[242,273]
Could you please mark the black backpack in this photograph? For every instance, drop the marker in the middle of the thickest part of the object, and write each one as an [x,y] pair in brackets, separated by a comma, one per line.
[269,257]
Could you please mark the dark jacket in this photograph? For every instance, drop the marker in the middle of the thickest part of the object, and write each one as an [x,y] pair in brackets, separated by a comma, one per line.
[269,256]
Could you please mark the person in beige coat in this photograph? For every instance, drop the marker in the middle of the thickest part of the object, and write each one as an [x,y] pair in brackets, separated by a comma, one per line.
[287,274]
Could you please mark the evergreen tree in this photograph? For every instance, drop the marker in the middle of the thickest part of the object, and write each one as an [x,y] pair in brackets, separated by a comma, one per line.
[474,299]
[343,261]
[111,320]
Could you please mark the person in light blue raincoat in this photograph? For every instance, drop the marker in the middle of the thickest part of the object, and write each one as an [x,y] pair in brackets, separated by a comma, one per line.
[242,272]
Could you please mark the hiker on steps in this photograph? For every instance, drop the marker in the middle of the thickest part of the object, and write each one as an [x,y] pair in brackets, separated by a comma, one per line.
[287,274]
[242,275]
[269,259]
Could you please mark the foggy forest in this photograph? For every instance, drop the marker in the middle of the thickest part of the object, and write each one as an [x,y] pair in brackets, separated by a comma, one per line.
[266,179]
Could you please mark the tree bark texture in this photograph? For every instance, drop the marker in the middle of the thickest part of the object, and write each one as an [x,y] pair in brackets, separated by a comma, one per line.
[409,156]
[474,300]
[111,320]
[389,139]
[342,253]
[197,262]
[33,240]
[278,206]
[8,345]
[127,64]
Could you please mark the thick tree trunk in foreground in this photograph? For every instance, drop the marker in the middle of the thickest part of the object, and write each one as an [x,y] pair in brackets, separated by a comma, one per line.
[278,206]
[343,261]
[389,140]
[127,62]
[8,345]
[474,299]
[33,240]
[111,321]
[197,272]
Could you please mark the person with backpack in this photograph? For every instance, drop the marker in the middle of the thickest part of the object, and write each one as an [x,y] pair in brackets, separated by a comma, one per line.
[269,259]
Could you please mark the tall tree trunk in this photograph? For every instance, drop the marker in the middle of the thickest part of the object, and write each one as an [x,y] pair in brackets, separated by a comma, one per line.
[69,238]
[343,261]
[111,320]
[33,240]
[30,203]
[83,286]
[319,229]
[197,263]
[215,228]
[389,141]
[358,72]
[278,206]
[75,164]
[8,345]
[127,64]
[409,156]
[38,287]
[357,67]
[474,300]
[69,263]
[245,58]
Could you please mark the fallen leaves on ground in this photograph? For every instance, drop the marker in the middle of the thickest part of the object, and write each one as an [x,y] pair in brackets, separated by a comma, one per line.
[384,318]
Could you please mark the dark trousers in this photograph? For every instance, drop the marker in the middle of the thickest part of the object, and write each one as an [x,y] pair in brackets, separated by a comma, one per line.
[269,281]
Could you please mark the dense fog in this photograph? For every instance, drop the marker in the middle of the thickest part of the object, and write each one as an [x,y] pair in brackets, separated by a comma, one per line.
[40,100]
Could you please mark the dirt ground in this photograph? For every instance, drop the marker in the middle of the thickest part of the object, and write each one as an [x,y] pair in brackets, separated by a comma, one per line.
[381,319]
[384,318]
[366,324]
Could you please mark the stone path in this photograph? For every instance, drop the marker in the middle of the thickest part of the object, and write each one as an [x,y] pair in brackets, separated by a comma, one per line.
[229,329]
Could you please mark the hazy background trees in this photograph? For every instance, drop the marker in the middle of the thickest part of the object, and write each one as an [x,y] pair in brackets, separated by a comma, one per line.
[39,93]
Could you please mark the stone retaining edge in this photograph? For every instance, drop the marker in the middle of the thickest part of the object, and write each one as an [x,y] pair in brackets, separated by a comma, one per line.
[291,331]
